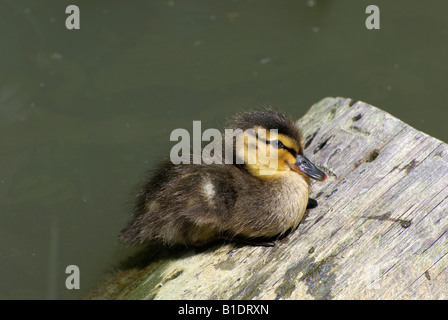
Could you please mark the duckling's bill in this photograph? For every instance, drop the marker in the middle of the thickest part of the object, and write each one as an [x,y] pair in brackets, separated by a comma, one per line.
[306,167]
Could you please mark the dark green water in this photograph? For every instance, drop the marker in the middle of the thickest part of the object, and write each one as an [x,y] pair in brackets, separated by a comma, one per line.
[83,113]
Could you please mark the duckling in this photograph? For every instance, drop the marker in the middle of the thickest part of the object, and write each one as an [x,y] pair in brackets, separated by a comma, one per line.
[262,194]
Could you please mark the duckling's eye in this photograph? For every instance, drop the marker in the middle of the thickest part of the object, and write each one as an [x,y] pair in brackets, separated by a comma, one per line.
[277,144]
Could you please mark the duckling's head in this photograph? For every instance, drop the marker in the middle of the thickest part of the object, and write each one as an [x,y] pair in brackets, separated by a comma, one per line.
[269,144]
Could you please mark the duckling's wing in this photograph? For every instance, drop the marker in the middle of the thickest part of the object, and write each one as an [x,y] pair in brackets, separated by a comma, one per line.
[182,202]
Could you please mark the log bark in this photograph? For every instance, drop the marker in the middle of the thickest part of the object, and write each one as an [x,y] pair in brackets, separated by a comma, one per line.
[380,230]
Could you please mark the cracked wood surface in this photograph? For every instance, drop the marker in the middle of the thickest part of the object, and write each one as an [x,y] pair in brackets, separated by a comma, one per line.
[379,232]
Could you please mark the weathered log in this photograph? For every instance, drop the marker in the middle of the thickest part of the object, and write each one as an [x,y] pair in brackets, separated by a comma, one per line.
[380,230]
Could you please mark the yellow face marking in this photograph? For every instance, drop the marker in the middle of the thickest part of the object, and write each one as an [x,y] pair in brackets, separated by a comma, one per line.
[262,158]
[288,142]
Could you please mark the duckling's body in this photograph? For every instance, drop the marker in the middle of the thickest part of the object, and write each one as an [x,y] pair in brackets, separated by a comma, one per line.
[195,204]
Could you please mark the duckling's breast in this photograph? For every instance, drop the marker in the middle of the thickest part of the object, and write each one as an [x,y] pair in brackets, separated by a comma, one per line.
[293,202]
[271,208]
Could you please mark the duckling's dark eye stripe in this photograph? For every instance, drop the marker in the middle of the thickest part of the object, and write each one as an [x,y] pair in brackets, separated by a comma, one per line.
[290,150]
[261,139]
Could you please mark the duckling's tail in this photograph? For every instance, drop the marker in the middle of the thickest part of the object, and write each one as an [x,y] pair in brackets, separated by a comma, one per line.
[136,232]
[128,236]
